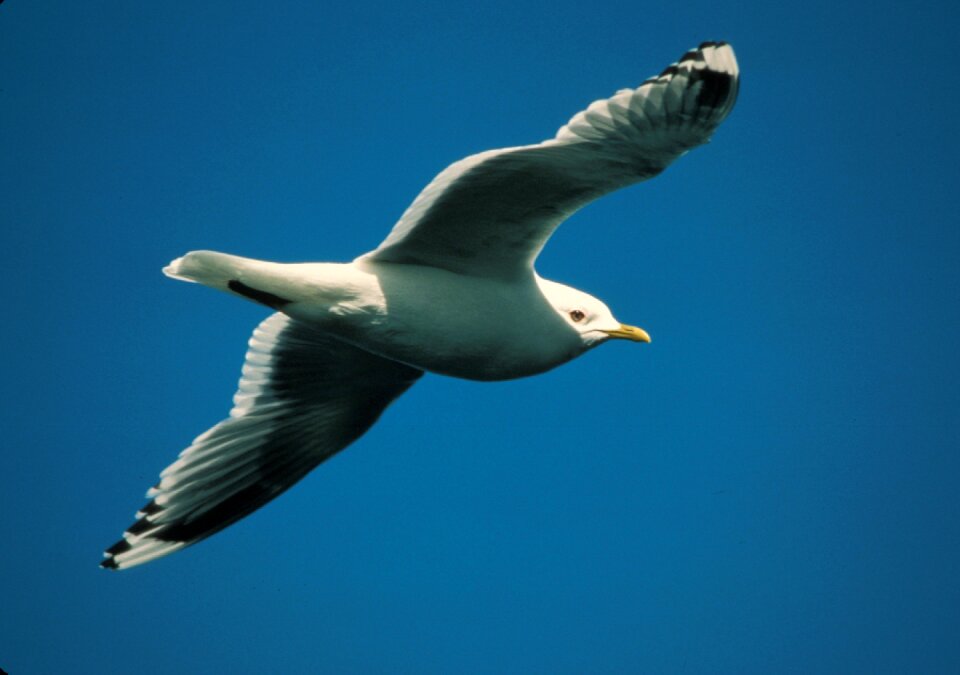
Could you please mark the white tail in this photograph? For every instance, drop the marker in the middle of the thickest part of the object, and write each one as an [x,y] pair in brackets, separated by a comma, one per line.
[208,268]
[275,285]
[255,280]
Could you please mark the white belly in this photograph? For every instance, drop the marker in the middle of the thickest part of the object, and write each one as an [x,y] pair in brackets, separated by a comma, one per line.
[446,323]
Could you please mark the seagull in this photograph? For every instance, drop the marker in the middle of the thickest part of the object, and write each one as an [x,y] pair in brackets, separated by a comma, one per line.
[451,290]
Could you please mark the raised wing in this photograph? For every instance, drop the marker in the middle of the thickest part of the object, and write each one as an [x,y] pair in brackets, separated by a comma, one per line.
[491,213]
[303,397]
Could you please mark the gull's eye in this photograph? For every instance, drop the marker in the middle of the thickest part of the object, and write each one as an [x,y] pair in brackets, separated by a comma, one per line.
[577,315]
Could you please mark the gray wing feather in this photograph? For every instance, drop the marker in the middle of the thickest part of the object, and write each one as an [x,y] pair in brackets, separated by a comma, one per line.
[491,213]
[303,397]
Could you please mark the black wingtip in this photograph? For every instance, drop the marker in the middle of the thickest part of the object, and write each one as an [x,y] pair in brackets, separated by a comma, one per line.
[110,562]
[716,89]
[140,526]
[121,546]
[150,508]
[670,70]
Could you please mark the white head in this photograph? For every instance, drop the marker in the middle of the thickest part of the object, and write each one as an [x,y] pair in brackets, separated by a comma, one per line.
[587,315]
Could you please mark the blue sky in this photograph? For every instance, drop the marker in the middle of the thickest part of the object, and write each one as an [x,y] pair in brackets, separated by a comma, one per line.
[771,486]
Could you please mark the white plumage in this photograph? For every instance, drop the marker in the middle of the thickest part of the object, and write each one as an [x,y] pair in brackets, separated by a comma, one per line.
[451,290]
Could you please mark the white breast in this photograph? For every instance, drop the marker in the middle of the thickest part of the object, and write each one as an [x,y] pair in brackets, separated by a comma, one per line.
[474,328]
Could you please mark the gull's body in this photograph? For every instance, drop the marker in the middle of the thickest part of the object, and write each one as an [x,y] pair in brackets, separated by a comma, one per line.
[379,308]
[452,290]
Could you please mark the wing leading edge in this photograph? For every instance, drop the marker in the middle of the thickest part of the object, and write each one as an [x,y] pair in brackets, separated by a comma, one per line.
[491,213]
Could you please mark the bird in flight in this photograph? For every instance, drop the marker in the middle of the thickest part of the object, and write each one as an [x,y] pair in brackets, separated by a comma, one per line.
[451,290]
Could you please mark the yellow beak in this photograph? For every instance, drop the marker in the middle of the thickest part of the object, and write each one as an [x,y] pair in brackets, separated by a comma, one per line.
[626,332]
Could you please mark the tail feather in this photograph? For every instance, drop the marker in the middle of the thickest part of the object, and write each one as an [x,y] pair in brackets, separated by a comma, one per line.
[207,267]
[252,279]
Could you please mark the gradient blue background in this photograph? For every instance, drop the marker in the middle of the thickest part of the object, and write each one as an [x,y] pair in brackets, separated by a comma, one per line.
[771,486]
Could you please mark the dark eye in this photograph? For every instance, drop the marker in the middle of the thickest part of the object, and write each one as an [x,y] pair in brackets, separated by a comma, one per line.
[577,315]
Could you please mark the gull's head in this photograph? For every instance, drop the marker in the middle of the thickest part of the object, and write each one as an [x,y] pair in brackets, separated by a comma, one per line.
[588,316]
